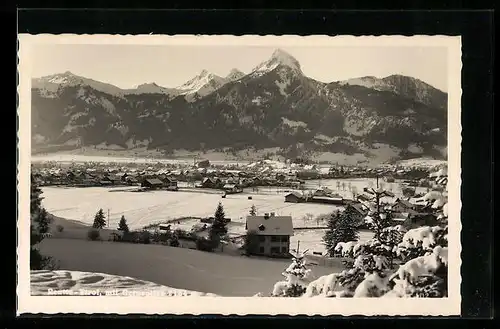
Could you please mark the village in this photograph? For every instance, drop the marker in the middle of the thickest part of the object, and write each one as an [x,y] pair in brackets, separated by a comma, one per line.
[231,177]
[294,184]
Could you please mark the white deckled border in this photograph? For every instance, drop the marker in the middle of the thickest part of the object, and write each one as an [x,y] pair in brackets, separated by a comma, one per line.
[232,305]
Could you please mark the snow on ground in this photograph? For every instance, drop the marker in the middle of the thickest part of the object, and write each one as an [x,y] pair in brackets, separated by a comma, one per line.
[313,240]
[421,162]
[73,283]
[143,208]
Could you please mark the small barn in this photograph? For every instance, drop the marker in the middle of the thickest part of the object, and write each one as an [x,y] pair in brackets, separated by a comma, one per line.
[327,200]
[232,188]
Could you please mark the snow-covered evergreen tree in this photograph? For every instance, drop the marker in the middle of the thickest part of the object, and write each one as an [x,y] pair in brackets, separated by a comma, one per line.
[99,219]
[297,278]
[423,271]
[40,222]
[219,225]
[341,228]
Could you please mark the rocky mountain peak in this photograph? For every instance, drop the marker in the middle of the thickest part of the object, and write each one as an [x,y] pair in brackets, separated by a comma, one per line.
[235,74]
[284,58]
[278,58]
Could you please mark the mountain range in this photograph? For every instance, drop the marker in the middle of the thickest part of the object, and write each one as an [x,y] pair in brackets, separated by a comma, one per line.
[274,106]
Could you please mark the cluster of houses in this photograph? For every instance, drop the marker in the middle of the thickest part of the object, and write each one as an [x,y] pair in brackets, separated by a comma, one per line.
[274,232]
[85,178]
[233,181]
[261,173]
[409,214]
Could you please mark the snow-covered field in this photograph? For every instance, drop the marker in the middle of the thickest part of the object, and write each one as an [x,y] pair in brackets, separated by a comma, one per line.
[75,283]
[143,208]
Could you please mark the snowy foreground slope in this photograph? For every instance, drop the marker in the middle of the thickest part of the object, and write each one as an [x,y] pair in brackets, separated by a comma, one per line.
[77,283]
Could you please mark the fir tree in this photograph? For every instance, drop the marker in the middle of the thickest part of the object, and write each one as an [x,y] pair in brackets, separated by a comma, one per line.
[99,220]
[122,225]
[253,211]
[39,227]
[341,228]
[328,237]
[297,277]
[251,243]
[218,227]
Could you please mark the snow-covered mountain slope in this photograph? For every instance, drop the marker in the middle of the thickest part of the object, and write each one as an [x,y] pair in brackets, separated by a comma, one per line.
[368,82]
[201,85]
[274,106]
[404,86]
[278,58]
[75,283]
[51,84]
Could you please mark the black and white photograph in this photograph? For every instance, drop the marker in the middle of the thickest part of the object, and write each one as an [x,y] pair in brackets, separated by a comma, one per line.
[231,172]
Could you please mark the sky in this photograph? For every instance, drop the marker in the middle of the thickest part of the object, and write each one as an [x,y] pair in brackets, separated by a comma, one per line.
[127,66]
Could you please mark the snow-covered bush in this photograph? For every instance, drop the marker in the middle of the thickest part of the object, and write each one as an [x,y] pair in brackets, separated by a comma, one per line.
[373,263]
[438,197]
[297,278]
[373,272]
[324,285]
[424,276]
[421,241]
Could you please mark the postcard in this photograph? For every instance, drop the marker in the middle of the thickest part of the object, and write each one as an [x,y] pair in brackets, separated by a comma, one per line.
[259,175]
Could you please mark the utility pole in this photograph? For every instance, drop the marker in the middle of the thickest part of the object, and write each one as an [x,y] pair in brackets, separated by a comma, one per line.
[298,246]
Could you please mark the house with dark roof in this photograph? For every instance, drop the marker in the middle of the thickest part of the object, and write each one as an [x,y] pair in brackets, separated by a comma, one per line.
[203,164]
[131,180]
[152,183]
[106,181]
[272,234]
[294,197]
[169,182]
[404,206]
[324,191]
[211,182]
[415,220]
[357,213]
